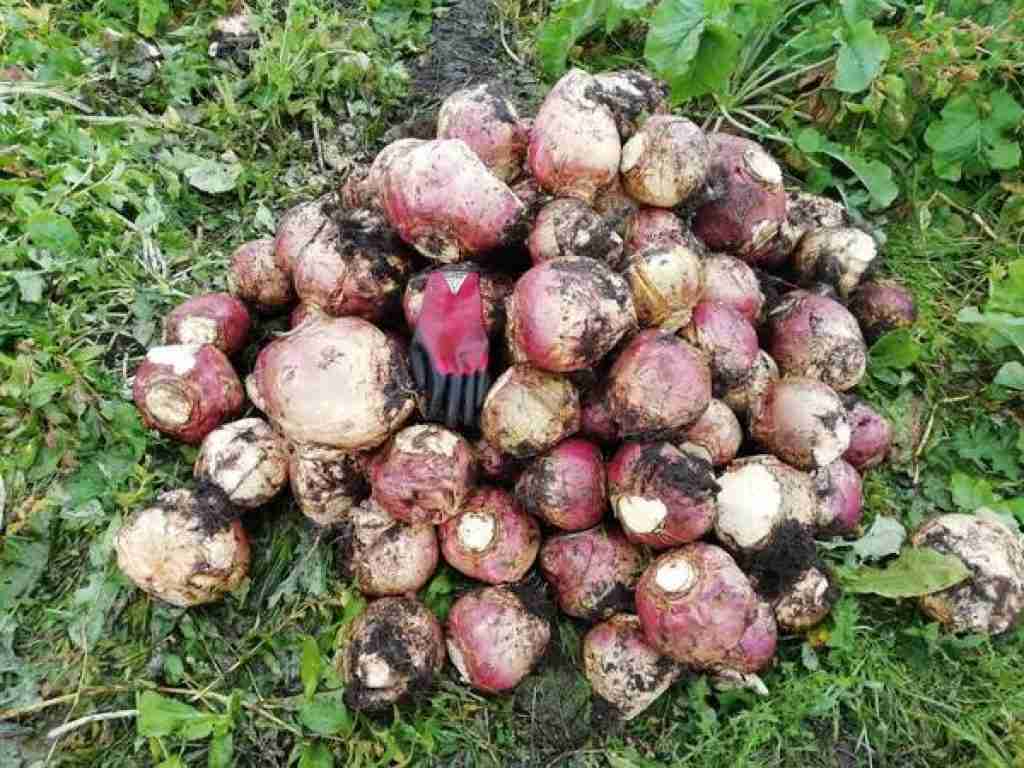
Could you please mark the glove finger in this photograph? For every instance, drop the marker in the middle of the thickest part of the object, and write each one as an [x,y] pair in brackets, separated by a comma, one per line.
[482,385]
[418,360]
[469,400]
[436,408]
[454,402]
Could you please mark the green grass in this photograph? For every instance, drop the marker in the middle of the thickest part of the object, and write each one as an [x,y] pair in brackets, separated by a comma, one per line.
[101,232]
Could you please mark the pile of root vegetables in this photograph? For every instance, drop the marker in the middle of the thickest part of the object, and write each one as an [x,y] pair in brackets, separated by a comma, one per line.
[674,339]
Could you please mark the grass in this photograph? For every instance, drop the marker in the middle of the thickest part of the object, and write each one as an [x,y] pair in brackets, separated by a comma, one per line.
[102,230]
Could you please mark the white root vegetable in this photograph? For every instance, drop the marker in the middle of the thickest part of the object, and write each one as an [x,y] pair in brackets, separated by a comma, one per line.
[802,421]
[567,228]
[838,256]
[246,459]
[326,482]
[389,557]
[743,394]
[804,212]
[255,278]
[718,432]
[487,121]
[806,603]
[529,411]
[666,161]
[666,285]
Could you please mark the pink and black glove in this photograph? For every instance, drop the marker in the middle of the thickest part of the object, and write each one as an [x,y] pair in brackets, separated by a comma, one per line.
[450,348]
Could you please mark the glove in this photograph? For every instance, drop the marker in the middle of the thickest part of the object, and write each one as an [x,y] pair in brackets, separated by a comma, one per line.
[449,351]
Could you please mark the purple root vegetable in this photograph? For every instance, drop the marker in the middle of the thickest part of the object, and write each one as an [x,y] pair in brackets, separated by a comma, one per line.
[631,95]
[246,459]
[805,212]
[838,257]
[666,161]
[817,337]
[528,411]
[493,640]
[806,603]
[762,374]
[623,669]
[183,550]
[255,278]
[662,496]
[494,290]
[297,228]
[326,483]
[389,557]
[215,318]
[483,118]
[492,539]
[659,383]
[574,145]
[596,421]
[566,315]
[302,313]
[593,572]
[187,390]
[336,382]
[364,188]
[495,466]
[802,421]
[394,649]
[870,434]
[615,206]
[697,607]
[649,227]
[424,474]
[665,282]
[729,340]
[732,282]
[748,204]
[881,306]
[718,432]
[991,600]
[566,486]
[567,228]
[840,498]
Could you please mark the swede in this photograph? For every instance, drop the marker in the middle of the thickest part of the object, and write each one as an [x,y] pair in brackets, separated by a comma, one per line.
[806,603]
[653,227]
[488,123]
[665,162]
[870,434]
[246,459]
[729,341]
[326,482]
[632,96]
[717,431]
[389,557]
[255,278]
[213,318]
[762,374]
[566,486]
[837,256]
[666,285]
[881,306]
[732,282]
[567,227]
[802,421]
[840,498]
[528,411]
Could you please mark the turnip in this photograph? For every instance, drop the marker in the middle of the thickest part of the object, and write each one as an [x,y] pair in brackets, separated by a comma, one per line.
[494,289]
[761,375]
[802,421]
[326,483]
[649,227]
[666,285]
[336,382]
[748,202]
[389,557]
[632,96]
[394,648]
[837,256]
[662,496]
[183,549]
[593,572]
[817,337]
[566,486]
[574,145]
[246,459]
[806,603]
[732,282]
[442,200]
[658,383]
[696,607]
[492,539]
[870,434]
[665,162]
[840,498]
[187,390]
[495,466]
[424,474]
[214,318]
[991,600]
[596,421]
[881,306]
[565,315]
[615,206]
[297,228]
[804,212]
[493,640]
[623,669]
[483,118]
[567,227]
[364,186]
[717,431]
[254,277]
[528,411]
[728,339]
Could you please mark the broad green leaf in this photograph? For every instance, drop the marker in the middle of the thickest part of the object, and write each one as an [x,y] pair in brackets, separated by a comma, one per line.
[222,751]
[715,60]
[310,666]
[24,558]
[673,39]
[326,715]
[954,137]
[621,10]
[150,14]
[861,57]
[1011,376]
[30,285]
[47,229]
[92,603]
[316,755]
[896,350]
[970,493]
[884,538]
[1007,329]
[875,175]
[1006,115]
[1007,293]
[572,21]
[162,716]
[916,572]
[213,176]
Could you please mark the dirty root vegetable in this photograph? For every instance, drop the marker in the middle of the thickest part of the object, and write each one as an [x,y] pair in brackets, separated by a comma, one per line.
[214,318]
[565,315]
[567,227]
[254,277]
[717,431]
[394,648]
[483,118]
[424,474]
[870,434]
[593,572]
[649,227]
[665,282]
[728,339]
[802,421]
[696,606]
[364,187]
[881,306]
[246,459]
[665,162]
[732,282]
[389,557]
[806,602]
[762,374]
[840,498]
[615,206]
[839,257]
[574,145]
[748,202]
[661,495]
[326,483]
[187,390]
[442,200]
[565,486]
[336,382]
[596,421]
[533,197]
[816,336]
[658,383]
[492,539]
[182,550]
[494,465]
[297,228]
[623,669]
[493,640]
[494,289]
[528,411]
[991,600]
[631,95]
[804,213]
